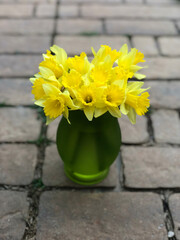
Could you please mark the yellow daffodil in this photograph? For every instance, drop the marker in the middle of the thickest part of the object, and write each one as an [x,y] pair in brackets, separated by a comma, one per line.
[127,64]
[72,80]
[135,103]
[64,84]
[103,52]
[53,66]
[86,100]
[79,63]
[111,99]
[37,88]
[101,74]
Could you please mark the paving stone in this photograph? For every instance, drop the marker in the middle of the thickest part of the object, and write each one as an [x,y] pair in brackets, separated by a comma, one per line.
[46,10]
[13,214]
[146,45]
[17,163]
[145,27]
[133,216]
[28,1]
[26,26]
[162,1]
[52,129]
[166,124]
[133,133]
[77,44]
[19,65]
[174,203]
[66,11]
[19,124]
[53,172]
[24,44]
[178,25]
[91,1]
[170,46]
[134,1]
[79,26]
[151,167]
[128,11]
[162,68]
[164,94]
[15,91]
[22,10]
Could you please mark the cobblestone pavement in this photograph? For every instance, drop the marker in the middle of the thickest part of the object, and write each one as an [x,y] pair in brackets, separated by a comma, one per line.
[140,199]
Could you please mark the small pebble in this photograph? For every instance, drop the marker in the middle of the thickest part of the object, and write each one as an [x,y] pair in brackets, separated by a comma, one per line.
[170,234]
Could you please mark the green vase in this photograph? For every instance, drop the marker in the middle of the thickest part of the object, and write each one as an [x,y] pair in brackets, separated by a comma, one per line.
[88,148]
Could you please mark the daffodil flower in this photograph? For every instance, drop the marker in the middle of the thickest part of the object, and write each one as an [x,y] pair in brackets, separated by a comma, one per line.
[67,83]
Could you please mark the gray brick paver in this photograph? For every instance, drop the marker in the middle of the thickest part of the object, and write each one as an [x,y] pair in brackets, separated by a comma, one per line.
[146,45]
[19,65]
[133,133]
[170,46]
[26,26]
[17,163]
[13,214]
[128,11]
[133,216]
[46,10]
[164,94]
[162,68]
[22,10]
[151,167]
[91,1]
[24,44]
[145,27]
[52,129]
[159,2]
[134,1]
[28,1]
[19,124]
[79,26]
[15,91]
[174,203]
[67,11]
[166,124]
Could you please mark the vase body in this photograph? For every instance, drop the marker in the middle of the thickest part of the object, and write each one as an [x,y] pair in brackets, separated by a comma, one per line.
[88,148]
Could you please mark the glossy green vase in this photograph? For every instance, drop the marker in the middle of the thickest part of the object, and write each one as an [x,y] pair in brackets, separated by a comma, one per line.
[88,148]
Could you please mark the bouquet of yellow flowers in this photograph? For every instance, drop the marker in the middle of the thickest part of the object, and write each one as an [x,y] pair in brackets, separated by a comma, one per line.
[74,83]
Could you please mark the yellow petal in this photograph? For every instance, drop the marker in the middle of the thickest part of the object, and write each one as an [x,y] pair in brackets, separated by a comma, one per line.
[50,89]
[132,115]
[61,55]
[124,109]
[115,112]
[99,111]
[49,120]
[40,102]
[89,112]
[139,76]
[47,73]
